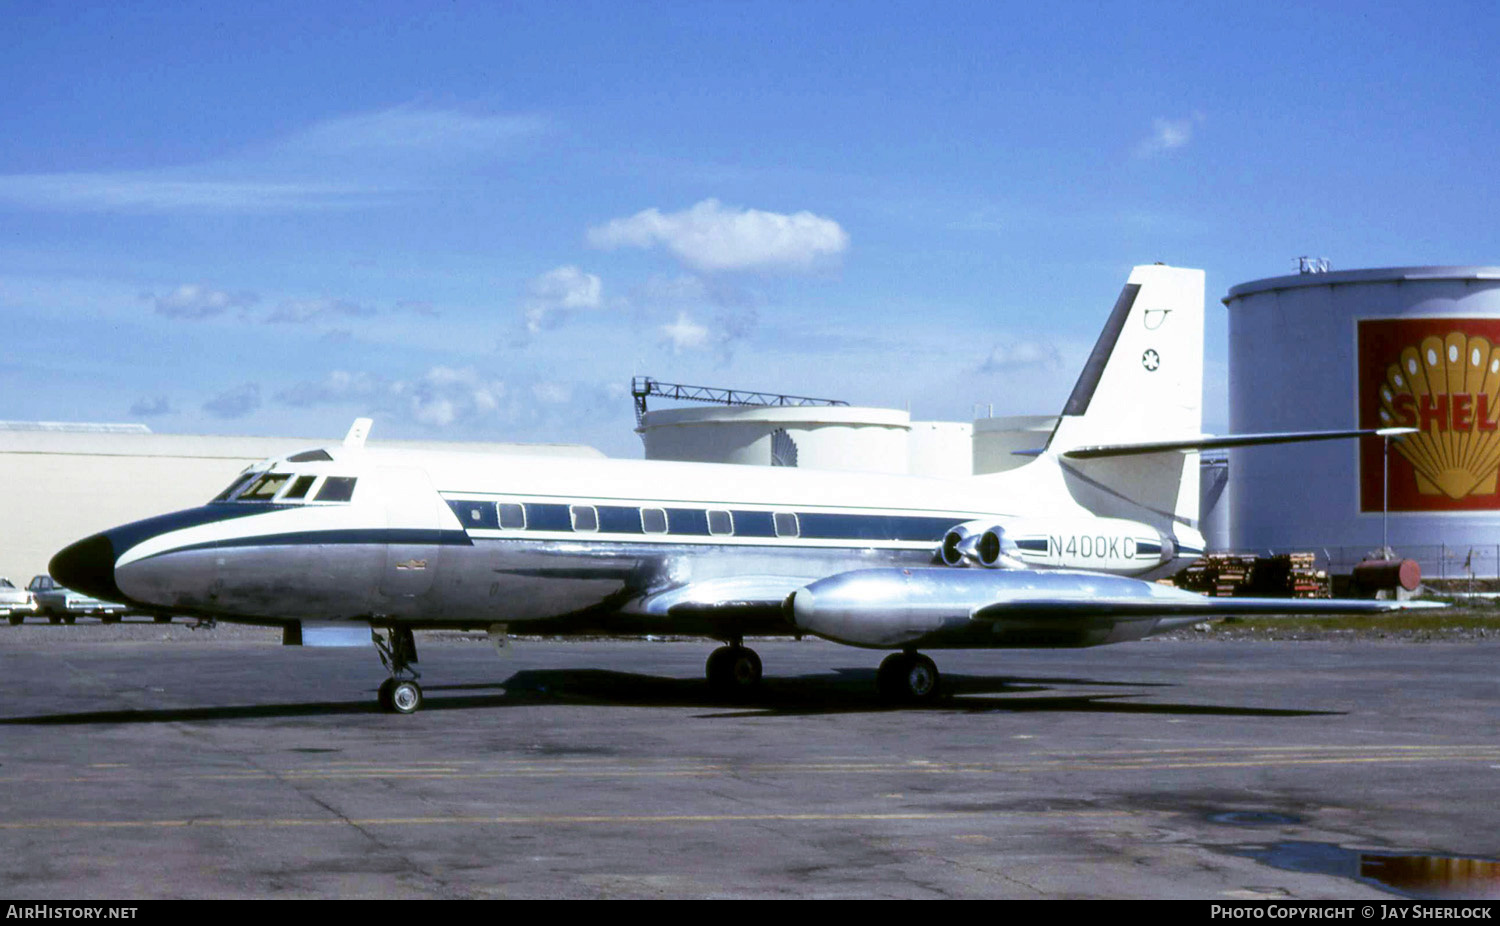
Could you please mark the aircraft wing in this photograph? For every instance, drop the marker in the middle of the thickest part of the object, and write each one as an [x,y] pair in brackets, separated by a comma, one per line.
[1204,608]
[895,607]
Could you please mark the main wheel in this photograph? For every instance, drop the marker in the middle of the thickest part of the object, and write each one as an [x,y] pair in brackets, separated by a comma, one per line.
[908,677]
[733,670]
[384,695]
[16,619]
[406,697]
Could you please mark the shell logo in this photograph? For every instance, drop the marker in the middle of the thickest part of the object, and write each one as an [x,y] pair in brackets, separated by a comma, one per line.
[1441,376]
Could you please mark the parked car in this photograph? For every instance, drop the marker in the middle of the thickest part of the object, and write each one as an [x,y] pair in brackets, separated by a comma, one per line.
[63,605]
[15,603]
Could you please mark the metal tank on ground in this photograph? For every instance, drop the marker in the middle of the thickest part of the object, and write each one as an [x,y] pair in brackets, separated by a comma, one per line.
[827,437]
[1411,346]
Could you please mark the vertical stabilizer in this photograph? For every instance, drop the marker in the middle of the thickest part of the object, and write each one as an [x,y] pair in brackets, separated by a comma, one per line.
[1143,382]
[1144,379]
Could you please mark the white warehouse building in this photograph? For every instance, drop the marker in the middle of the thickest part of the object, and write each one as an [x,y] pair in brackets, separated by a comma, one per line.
[60,482]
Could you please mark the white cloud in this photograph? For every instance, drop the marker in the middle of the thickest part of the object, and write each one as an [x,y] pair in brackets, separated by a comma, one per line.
[339,386]
[303,311]
[557,293]
[552,393]
[424,135]
[166,191]
[685,334]
[441,397]
[194,301]
[1021,355]
[235,403]
[348,161]
[152,407]
[711,237]
[1168,135]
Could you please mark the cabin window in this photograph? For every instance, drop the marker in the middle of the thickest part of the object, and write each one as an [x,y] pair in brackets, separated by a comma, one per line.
[265,488]
[786,524]
[547,517]
[690,521]
[476,515]
[299,488]
[752,523]
[617,519]
[720,523]
[512,516]
[653,520]
[336,489]
[585,518]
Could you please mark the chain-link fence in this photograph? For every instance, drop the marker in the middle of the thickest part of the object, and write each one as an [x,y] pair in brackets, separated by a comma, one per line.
[1438,561]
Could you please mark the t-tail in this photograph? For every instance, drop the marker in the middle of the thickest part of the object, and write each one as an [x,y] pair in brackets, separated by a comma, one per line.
[1142,385]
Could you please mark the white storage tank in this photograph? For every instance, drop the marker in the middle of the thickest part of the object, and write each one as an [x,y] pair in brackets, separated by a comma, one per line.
[818,437]
[941,449]
[996,440]
[1416,346]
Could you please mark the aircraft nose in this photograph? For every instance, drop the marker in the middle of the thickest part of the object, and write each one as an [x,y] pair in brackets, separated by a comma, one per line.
[88,566]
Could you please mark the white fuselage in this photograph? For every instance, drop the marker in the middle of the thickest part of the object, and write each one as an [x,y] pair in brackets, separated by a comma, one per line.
[457,539]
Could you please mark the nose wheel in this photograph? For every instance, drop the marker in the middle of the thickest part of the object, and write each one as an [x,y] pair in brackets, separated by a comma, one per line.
[910,678]
[399,694]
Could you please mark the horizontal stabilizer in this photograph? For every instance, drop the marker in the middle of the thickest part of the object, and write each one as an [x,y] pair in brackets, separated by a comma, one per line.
[1207,442]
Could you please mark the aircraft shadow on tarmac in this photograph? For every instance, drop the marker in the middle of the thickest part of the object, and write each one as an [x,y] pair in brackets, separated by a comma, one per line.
[842,691]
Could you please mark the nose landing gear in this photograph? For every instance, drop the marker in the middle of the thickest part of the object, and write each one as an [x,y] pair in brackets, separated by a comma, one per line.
[399,694]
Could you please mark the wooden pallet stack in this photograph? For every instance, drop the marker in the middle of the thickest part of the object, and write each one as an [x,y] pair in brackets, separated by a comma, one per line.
[1227,575]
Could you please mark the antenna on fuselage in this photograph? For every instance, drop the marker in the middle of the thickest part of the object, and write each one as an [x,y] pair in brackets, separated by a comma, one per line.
[358,431]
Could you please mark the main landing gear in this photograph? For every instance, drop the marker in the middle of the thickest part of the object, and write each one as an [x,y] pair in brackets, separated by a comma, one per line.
[733,670]
[398,694]
[909,677]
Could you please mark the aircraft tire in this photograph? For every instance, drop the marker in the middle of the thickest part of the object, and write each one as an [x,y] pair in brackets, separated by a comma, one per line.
[733,670]
[406,697]
[909,678]
[70,619]
[16,619]
[54,618]
[384,695]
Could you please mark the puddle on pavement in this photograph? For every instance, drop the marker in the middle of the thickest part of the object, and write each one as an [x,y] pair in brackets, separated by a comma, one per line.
[1256,818]
[1422,877]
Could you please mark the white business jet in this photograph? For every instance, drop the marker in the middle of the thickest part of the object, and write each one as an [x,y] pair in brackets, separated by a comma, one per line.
[344,543]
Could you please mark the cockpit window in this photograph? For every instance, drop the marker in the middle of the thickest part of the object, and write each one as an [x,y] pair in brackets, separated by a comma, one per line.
[299,488]
[265,488]
[239,481]
[310,456]
[336,489]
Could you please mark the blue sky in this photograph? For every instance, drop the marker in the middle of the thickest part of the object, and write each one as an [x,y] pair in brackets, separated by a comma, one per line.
[478,221]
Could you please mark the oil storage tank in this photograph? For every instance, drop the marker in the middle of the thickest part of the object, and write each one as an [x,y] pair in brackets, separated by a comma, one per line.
[1410,346]
[813,437]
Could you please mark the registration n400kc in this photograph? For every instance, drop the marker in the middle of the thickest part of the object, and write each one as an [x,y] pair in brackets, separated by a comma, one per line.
[354,544]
